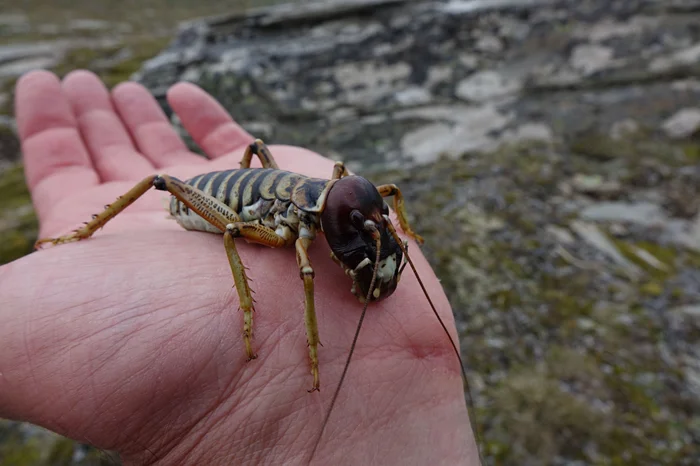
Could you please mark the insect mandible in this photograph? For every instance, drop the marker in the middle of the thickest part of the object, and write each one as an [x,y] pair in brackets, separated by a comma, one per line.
[278,208]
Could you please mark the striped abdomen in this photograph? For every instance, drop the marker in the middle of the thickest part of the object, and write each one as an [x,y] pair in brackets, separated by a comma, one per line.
[275,198]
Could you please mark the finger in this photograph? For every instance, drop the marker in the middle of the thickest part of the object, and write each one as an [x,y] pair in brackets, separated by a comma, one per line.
[109,143]
[56,162]
[149,127]
[206,120]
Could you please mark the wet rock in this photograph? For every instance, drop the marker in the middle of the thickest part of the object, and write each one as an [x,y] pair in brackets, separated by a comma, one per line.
[683,123]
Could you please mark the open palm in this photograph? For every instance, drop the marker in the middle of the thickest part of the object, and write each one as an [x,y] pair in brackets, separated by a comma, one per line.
[132,340]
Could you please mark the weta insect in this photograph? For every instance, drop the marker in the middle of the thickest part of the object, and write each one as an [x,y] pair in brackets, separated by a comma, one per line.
[277,208]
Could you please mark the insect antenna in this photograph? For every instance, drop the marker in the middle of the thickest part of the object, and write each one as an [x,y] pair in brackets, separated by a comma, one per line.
[397,238]
[377,239]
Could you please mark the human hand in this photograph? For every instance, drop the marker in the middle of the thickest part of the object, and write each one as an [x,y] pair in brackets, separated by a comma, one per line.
[132,341]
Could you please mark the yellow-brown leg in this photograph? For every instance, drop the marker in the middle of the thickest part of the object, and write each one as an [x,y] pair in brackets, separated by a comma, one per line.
[306,272]
[387,190]
[254,233]
[210,209]
[99,220]
[258,148]
[221,216]
[339,171]
[243,289]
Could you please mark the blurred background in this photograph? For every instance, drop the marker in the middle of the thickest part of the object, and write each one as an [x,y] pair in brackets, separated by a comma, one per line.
[549,151]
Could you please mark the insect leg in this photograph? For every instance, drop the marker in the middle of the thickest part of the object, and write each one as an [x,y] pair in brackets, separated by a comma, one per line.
[387,190]
[99,220]
[221,216]
[258,148]
[254,233]
[339,171]
[306,273]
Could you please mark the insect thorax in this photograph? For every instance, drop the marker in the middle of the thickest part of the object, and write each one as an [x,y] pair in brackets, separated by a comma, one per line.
[267,196]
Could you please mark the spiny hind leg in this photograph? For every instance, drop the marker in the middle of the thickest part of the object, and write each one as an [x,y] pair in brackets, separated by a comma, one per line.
[263,153]
[99,220]
[222,217]
[255,233]
[212,210]
[306,272]
[387,190]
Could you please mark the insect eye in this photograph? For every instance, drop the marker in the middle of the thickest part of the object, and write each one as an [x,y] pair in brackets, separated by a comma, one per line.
[357,219]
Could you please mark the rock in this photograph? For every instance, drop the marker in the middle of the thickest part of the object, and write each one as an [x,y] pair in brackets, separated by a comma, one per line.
[639,213]
[685,57]
[594,184]
[88,25]
[683,123]
[560,234]
[690,310]
[686,234]
[486,85]
[19,67]
[607,28]
[14,23]
[685,85]
[301,68]
[529,132]
[623,129]
[48,29]
[591,58]
[17,59]
[489,43]
[593,236]
[466,129]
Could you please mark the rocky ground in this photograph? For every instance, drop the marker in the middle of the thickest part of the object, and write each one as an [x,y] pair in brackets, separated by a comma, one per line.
[550,155]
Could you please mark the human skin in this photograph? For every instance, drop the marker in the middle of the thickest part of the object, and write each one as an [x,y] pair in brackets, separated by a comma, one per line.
[132,341]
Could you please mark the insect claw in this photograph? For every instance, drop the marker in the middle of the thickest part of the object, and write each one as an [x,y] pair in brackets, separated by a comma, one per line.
[314,389]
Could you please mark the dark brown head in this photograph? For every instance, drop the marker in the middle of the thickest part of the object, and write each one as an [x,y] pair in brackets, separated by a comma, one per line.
[354,213]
